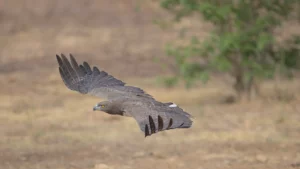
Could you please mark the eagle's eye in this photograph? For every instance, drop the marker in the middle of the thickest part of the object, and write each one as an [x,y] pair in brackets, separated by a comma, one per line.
[102,106]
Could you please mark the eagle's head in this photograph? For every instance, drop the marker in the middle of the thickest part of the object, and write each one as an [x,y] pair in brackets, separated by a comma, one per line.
[105,106]
[109,107]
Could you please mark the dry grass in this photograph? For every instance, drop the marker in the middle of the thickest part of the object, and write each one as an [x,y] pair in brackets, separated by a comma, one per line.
[44,125]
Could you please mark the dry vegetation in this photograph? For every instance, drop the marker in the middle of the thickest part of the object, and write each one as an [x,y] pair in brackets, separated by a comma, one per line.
[45,125]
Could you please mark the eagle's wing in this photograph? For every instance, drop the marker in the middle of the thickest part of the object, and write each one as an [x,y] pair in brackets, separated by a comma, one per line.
[153,118]
[84,79]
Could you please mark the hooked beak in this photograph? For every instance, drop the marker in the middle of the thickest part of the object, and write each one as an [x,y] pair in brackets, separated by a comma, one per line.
[96,108]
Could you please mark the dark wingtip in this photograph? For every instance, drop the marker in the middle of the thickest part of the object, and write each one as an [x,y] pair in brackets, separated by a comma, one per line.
[63,56]
[147,131]
[170,124]
[160,123]
[96,70]
[72,57]
[152,125]
[59,60]
[87,66]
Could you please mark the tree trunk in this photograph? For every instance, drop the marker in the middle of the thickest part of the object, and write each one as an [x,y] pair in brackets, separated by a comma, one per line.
[246,89]
[239,86]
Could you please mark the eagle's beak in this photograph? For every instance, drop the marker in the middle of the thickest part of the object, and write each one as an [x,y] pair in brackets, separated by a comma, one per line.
[96,108]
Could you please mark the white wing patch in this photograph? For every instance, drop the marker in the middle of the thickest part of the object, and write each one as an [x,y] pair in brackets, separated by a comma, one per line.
[173,105]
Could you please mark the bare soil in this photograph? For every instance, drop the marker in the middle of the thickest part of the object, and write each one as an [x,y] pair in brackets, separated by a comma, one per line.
[45,125]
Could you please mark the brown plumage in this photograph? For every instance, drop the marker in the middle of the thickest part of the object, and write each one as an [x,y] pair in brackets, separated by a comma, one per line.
[151,115]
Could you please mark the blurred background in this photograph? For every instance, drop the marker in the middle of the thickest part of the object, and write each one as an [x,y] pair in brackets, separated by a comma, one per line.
[233,65]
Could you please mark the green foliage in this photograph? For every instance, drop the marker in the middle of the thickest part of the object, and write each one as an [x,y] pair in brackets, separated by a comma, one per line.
[292,54]
[242,42]
[190,71]
[169,81]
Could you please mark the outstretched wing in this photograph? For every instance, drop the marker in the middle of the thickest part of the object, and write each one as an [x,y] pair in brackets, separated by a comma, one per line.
[84,79]
[152,119]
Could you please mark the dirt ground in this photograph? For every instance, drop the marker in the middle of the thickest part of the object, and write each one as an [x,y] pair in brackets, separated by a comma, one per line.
[43,125]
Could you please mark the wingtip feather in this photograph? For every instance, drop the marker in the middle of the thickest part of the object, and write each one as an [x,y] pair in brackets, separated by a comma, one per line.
[59,60]
[73,61]
[64,58]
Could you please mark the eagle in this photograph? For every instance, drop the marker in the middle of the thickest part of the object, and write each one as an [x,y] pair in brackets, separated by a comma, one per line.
[151,115]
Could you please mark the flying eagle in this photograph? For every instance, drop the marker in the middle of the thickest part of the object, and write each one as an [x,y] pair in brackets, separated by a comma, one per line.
[152,116]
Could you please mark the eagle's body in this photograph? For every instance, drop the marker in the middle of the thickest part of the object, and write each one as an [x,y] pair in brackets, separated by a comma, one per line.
[151,115]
